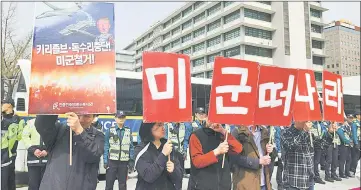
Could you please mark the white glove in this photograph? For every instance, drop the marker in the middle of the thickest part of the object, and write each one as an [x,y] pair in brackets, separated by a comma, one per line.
[279,155]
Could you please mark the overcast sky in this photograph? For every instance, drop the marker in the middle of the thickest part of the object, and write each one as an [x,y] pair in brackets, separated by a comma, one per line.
[134,18]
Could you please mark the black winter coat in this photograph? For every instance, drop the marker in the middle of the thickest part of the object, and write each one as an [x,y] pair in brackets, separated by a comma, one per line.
[152,170]
[88,147]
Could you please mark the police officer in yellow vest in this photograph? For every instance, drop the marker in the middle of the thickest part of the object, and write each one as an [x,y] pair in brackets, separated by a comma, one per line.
[175,132]
[344,132]
[37,154]
[118,152]
[11,130]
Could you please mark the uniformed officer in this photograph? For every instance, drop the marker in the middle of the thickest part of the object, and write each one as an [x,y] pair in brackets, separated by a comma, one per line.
[344,133]
[319,144]
[118,152]
[355,150]
[37,154]
[331,151]
[11,131]
[175,132]
[200,118]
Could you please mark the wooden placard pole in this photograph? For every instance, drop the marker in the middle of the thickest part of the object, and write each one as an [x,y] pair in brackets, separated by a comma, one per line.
[70,147]
[224,155]
[168,140]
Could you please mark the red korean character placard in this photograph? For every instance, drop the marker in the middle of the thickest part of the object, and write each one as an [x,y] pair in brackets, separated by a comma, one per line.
[234,91]
[332,92]
[276,91]
[306,105]
[166,87]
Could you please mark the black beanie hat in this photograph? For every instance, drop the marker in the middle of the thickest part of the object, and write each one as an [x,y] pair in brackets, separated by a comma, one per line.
[145,132]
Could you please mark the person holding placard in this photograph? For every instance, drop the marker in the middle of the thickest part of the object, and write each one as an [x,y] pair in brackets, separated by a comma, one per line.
[87,148]
[298,170]
[207,147]
[118,153]
[157,166]
[251,169]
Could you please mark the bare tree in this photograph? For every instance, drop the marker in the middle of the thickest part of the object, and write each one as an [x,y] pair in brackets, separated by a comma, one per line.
[13,48]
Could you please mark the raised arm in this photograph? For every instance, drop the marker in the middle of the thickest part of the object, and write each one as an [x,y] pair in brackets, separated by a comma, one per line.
[150,171]
[47,129]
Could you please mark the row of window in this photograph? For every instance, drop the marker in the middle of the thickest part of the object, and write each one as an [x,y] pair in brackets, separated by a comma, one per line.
[258,33]
[211,42]
[210,58]
[229,18]
[209,74]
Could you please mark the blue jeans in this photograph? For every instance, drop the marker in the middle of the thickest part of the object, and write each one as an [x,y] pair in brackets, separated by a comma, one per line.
[264,187]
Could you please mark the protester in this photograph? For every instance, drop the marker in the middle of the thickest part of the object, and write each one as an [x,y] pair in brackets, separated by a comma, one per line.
[11,130]
[298,157]
[332,152]
[87,146]
[319,143]
[175,132]
[344,133]
[37,154]
[252,169]
[155,170]
[355,150]
[207,147]
[278,133]
[118,153]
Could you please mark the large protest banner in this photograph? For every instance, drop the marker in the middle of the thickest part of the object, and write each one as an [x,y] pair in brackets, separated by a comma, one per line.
[333,106]
[167,91]
[73,60]
[306,106]
[234,91]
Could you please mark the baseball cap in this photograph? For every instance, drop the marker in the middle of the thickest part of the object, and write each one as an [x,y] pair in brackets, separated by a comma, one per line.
[120,113]
[200,110]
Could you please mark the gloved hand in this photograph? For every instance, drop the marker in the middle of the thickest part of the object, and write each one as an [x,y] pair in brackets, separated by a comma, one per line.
[105,166]
[184,154]
[279,155]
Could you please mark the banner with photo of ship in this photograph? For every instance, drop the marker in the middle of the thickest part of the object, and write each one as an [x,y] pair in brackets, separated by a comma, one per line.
[73,59]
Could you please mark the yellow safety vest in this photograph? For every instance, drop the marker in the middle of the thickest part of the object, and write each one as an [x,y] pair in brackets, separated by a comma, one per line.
[119,150]
[177,139]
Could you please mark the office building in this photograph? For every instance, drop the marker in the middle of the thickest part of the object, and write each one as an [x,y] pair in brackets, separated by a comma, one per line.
[124,60]
[342,48]
[271,33]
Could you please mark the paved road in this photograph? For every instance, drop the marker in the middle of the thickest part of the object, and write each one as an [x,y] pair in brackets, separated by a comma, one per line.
[345,184]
